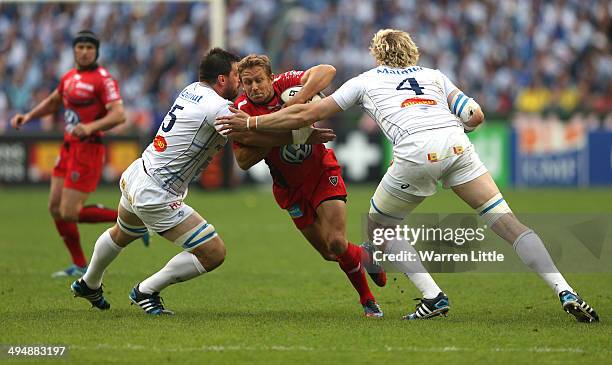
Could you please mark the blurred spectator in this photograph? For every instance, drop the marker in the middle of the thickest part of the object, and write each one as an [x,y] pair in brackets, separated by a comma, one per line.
[527,55]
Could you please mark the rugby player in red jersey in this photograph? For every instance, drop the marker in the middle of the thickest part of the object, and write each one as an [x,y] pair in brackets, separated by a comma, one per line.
[307,180]
[92,104]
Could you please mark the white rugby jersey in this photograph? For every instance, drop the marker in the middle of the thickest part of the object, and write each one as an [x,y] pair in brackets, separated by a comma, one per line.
[402,101]
[187,139]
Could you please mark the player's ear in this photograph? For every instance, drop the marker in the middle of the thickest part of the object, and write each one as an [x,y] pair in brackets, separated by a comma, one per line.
[221,79]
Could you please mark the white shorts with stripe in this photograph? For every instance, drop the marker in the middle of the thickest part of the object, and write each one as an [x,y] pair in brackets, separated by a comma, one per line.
[159,209]
[424,158]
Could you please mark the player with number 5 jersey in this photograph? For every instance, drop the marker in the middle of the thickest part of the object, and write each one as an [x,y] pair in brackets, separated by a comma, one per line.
[153,189]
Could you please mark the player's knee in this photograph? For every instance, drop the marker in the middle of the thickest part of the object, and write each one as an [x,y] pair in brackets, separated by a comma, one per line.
[494,209]
[203,241]
[211,255]
[55,211]
[336,244]
[120,237]
[328,255]
[69,214]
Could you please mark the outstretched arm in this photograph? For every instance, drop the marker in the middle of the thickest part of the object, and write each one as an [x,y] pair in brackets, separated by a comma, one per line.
[49,105]
[293,117]
[280,138]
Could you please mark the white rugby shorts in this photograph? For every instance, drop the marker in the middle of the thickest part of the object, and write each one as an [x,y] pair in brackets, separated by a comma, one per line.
[422,159]
[159,209]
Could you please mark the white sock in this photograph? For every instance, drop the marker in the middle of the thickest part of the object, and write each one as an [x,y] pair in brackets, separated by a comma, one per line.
[414,270]
[182,267]
[533,253]
[105,251]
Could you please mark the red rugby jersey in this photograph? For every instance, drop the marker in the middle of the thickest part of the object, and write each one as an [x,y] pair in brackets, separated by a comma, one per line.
[289,165]
[85,94]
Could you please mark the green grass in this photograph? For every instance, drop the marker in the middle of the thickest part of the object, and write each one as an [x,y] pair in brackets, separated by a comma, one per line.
[275,301]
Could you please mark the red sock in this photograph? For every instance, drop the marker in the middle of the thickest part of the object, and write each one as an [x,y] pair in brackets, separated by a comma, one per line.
[72,240]
[96,214]
[350,263]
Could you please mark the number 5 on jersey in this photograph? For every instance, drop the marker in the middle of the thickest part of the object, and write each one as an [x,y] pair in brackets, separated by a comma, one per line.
[168,127]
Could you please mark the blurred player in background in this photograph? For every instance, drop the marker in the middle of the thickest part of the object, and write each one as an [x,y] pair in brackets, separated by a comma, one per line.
[92,104]
[424,115]
[307,179]
[154,186]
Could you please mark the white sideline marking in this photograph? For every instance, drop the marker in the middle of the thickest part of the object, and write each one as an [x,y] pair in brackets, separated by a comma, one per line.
[282,348]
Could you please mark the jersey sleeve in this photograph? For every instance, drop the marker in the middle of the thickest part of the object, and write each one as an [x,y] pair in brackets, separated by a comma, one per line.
[107,88]
[350,93]
[288,79]
[449,87]
[222,111]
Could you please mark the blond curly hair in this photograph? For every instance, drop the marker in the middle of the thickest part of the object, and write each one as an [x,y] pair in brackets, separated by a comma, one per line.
[394,48]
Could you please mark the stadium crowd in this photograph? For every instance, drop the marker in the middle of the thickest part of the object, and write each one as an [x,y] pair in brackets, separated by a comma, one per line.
[517,55]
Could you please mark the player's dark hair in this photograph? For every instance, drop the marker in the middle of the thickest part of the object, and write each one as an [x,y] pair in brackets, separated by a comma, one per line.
[87,36]
[216,62]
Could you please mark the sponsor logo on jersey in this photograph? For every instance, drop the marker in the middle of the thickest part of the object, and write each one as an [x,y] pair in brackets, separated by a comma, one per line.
[295,153]
[159,143]
[295,211]
[71,119]
[111,90]
[195,98]
[418,101]
[175,205]
[432,157]
[457,150]
[84,86]
[333,180]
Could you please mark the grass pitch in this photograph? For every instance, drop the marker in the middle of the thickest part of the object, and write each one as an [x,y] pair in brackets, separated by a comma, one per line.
[276,301]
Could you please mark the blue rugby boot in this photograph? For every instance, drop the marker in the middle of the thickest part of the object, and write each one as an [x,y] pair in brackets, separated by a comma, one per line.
[372,309]
[94,296]
[150,303]
[576,306]
[429,308]
[372,267]
[72,270]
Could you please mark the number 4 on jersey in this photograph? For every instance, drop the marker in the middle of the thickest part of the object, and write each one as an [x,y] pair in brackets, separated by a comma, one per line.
[414,86]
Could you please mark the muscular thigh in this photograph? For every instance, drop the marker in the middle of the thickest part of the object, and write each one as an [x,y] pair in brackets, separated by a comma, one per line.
[328,230]
[331,216]
[478,191]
